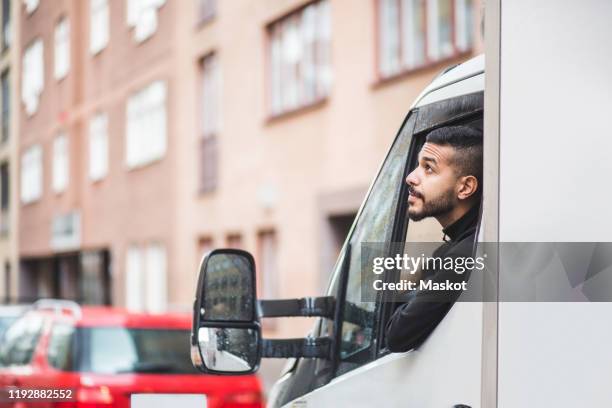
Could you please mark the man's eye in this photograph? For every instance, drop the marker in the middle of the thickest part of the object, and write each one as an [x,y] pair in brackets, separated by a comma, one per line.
[428,168]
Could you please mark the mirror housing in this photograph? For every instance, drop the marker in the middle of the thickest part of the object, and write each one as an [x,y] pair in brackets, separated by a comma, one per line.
[226,333]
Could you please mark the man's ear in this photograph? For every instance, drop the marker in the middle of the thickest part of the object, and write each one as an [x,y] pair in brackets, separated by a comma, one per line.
[468,185]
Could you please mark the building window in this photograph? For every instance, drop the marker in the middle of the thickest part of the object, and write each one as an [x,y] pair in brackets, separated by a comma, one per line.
[300,73]
[206,9]
[5,200]
[268,264]
[98,147]
[62,48]
[156,282]
[6,105]
[150,293]
[142,16]
[60,163]
[234,241]
[31,5]
[211,86]
[415,33]
[134,276]
[210,125]
[208,164]
[4,187]
[32,81]
[205,245]
[6,24]
[146,125]
[98,25]
[31,174]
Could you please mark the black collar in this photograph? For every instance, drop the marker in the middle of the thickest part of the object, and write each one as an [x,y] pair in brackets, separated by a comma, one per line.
[467,221]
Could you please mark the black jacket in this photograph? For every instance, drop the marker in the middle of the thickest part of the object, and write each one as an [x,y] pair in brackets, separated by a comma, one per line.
[414,320]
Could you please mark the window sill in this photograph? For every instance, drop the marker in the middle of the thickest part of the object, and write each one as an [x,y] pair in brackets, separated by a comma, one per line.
[317,104]
[31,203]
[406,73]
[130,168]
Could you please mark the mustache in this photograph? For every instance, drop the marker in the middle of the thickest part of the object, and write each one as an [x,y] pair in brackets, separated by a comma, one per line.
[415,193]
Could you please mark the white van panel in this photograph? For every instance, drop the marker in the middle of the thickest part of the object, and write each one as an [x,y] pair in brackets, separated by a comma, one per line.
[555,145]
[464,87]
[443,372]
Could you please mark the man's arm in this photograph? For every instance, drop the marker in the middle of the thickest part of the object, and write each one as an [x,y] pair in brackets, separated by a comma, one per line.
[412,322]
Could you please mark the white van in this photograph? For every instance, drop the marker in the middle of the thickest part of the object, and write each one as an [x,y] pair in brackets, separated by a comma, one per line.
[547,170]
[345,361]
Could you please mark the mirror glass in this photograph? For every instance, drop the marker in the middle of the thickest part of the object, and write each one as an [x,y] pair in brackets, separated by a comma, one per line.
[228,293]
[228,349]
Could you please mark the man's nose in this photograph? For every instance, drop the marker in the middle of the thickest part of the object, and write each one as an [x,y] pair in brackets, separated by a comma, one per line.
[412,179]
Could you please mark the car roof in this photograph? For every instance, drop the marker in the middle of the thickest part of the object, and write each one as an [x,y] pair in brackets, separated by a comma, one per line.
[471,68]
[13,310]
[102,316]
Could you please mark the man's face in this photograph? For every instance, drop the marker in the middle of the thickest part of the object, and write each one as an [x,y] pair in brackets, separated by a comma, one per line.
[432,183]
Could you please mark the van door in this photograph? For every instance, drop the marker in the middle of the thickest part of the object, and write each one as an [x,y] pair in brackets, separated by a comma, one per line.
[445,370]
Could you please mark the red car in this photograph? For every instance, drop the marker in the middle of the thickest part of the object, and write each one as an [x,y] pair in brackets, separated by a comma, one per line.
[104,355]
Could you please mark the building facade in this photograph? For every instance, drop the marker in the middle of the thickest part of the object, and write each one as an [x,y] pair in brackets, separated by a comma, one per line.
[9,206]
[152,131]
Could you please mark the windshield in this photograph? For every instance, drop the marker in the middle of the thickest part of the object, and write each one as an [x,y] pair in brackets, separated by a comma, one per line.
[118,350]
[5,322]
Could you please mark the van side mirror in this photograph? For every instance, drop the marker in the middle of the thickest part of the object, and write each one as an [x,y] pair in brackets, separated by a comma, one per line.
[226,334]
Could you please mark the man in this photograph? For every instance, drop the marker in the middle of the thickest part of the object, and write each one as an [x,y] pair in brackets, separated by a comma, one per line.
[446,185]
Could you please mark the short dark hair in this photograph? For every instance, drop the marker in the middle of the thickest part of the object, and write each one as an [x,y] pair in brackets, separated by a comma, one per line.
[467,143]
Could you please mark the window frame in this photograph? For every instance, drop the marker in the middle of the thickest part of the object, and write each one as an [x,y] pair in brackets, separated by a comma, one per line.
[432,122]
[429,62]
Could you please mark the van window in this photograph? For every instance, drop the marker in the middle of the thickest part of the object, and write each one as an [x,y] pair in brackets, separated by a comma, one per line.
[429,230]
[375,224]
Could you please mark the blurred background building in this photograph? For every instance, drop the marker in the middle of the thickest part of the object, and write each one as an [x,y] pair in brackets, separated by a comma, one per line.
[9,205]
[139,134]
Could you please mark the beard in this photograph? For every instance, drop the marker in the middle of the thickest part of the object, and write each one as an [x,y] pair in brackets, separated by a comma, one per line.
[442,204]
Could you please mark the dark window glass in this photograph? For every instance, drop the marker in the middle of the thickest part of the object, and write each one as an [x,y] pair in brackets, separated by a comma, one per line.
[4,186]
[6,104]
[375,224]
[116,350]
[6,23]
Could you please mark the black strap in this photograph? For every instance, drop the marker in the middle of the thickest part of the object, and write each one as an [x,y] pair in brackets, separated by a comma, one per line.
[309,347]
[302,307]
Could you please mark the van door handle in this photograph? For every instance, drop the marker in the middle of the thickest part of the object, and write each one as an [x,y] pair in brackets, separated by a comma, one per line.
[461,406]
